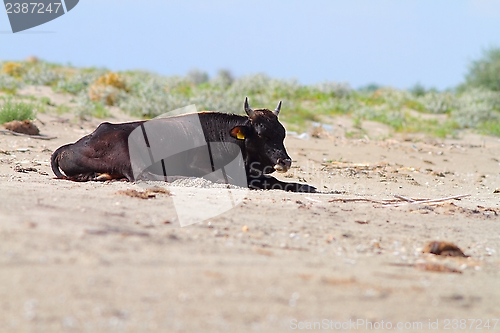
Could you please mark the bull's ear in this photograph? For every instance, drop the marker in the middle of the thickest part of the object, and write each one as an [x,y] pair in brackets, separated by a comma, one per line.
[277,110]
[248,110]
[239,132]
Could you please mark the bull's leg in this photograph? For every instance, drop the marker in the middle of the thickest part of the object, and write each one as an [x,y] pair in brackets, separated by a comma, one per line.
[106,176]
[265,182]
[94,176]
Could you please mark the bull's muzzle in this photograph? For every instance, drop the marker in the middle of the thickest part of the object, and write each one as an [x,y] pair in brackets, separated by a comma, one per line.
[283,165]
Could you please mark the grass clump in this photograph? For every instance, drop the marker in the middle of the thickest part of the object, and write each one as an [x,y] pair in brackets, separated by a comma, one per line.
[45,101]
[11,110]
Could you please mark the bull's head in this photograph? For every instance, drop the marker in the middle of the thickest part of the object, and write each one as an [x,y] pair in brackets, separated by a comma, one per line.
[264,140]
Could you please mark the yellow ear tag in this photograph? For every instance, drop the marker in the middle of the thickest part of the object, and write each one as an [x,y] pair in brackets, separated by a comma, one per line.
[240,135]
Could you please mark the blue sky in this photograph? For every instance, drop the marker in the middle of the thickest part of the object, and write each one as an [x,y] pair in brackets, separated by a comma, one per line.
[390,42]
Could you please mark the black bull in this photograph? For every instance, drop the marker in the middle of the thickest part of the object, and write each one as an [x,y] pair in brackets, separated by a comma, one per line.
[257,140]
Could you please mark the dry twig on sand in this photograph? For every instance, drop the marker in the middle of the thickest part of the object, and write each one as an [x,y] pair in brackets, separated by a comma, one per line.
[431,201]
[404,198]
[398,201]
[383,202]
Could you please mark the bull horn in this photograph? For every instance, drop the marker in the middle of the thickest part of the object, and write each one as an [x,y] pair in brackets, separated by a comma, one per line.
[248,110]
[278,108]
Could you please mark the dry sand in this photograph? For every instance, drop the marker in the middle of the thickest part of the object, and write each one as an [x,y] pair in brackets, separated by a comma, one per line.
[81,257]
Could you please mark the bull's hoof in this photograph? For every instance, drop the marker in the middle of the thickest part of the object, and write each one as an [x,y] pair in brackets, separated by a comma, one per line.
[103,177]
[306,188]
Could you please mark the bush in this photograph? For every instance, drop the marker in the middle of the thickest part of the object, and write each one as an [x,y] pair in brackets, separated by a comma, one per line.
[108,89]
[332,89]
[87,108]
[435,102]
[152,95]
[476,106]
[9,84]
[485,72]
[113,80]
[197,77]
[78,82]
[223,79]
[42,75]
[13,69]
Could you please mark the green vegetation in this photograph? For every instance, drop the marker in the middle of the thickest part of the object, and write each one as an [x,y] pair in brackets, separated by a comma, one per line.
[62,109]
[474,105]
[490,128]
[13,110]
[45,101]
[87,108]
[9,84]
[485,72]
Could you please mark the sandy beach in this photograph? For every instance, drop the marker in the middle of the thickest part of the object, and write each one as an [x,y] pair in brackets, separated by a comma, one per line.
[84,257]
